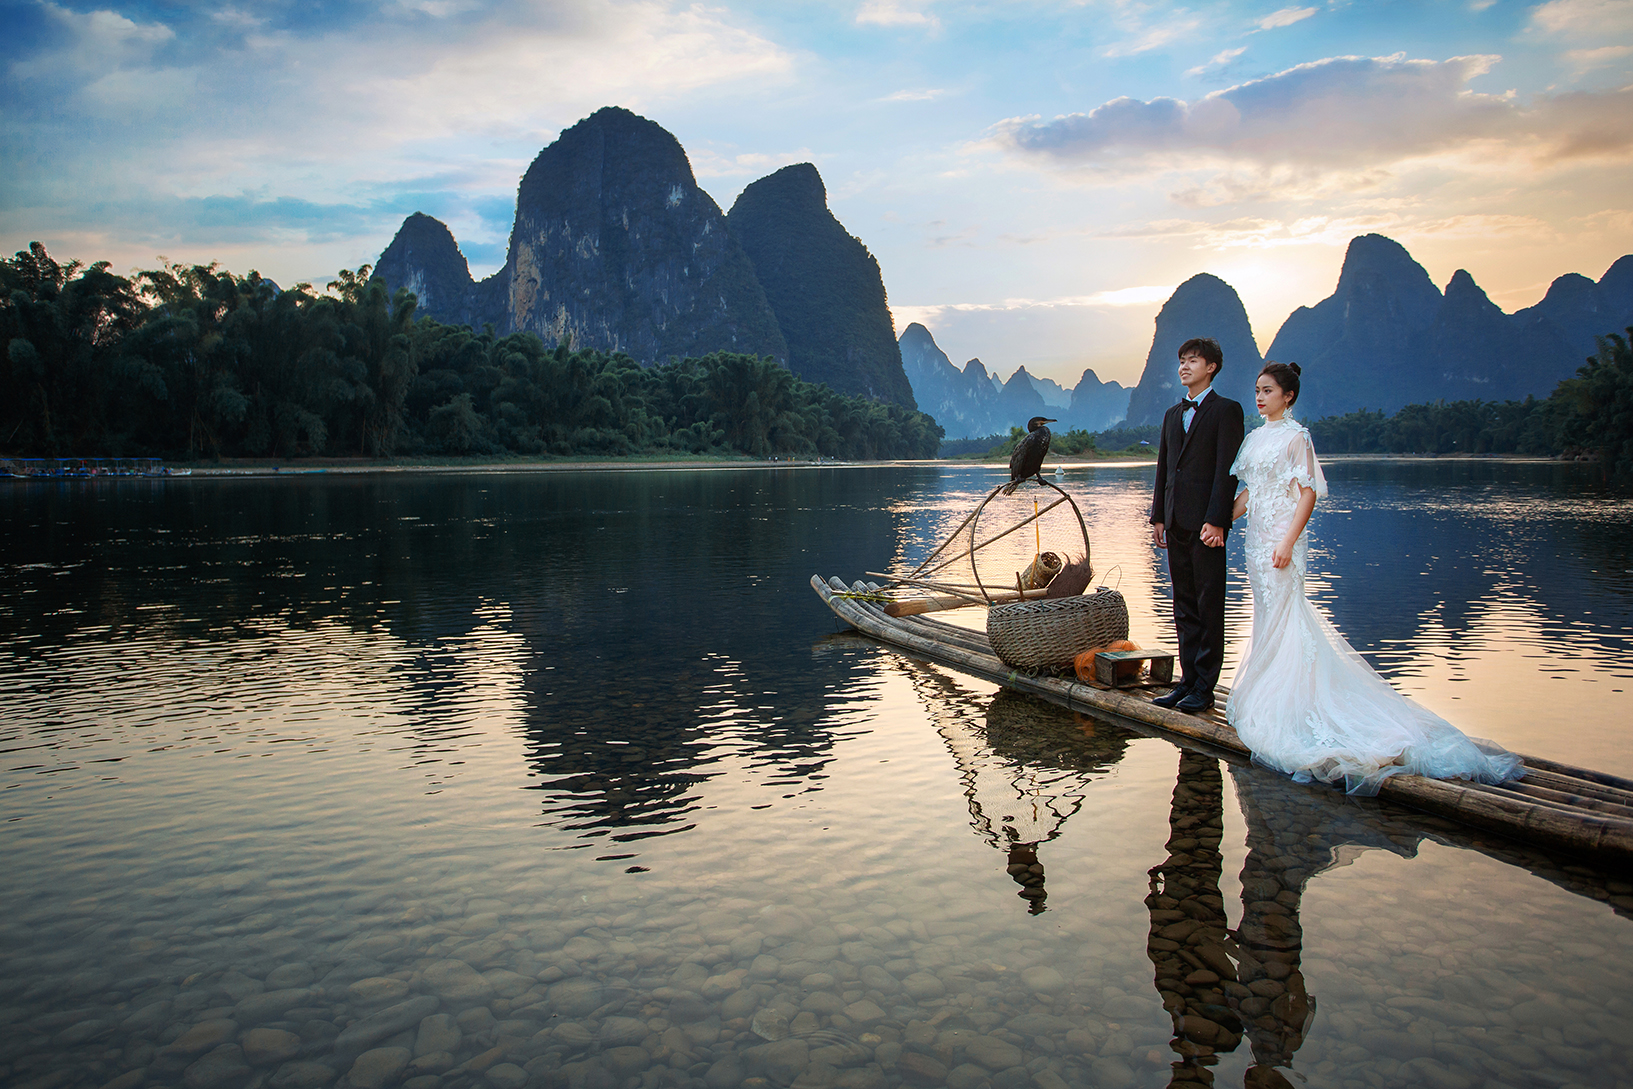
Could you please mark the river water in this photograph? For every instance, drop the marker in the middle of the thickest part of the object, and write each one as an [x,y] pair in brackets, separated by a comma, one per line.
[568,779]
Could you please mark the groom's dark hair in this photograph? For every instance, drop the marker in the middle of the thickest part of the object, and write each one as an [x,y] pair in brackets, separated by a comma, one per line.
[1208,348]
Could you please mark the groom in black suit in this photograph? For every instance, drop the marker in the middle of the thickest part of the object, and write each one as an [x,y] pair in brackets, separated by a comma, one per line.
[1190,515]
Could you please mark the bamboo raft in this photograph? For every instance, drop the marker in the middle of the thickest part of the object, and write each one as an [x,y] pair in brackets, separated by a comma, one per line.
[1554,806]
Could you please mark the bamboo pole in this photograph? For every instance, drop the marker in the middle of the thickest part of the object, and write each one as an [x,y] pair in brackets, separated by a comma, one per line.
[909,580]
[914,606]
[1022,524]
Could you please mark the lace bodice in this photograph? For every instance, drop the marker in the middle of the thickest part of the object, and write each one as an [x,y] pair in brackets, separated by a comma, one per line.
[1272,464]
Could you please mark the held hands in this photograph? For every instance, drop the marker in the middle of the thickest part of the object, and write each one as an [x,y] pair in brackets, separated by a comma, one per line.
[1213,536]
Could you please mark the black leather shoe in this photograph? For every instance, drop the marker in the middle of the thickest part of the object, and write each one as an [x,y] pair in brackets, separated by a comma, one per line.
[1173,698]
[1195,702]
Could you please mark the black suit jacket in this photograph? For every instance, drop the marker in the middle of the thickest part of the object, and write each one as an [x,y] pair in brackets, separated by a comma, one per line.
[1194,485]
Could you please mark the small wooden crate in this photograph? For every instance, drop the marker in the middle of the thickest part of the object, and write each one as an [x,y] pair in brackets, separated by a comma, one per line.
[1106,662]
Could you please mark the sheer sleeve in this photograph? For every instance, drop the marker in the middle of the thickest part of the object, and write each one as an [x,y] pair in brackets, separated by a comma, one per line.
[1302,467]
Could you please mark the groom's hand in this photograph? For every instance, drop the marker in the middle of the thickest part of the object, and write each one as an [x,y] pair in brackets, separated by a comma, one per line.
[1213,536]
[1159,534]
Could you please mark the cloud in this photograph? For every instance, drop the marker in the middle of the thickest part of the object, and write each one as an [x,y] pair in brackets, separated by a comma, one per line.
[95,42]
[1594,19]
[1284,17]
[1127,296]
[896,13]
[1218,62]
[707,163]
[1256,233]
[1584,60]
[1355,115]
[1175,26]
[218,102]
[926,95]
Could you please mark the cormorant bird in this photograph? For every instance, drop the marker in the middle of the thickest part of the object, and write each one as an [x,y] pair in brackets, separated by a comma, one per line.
[1027,460]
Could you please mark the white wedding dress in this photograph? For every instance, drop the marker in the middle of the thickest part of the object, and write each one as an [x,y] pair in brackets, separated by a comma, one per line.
[1303,700]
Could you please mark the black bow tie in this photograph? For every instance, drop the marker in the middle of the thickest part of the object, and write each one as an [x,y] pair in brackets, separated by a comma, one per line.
[1188,403]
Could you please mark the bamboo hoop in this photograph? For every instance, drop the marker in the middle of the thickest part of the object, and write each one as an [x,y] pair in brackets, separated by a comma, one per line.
[975,529]
[1022,524]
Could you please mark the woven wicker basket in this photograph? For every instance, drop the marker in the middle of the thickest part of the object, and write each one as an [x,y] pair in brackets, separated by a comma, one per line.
[1049,633]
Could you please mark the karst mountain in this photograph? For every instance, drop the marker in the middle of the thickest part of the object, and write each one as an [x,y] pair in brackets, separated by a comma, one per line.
[615,247]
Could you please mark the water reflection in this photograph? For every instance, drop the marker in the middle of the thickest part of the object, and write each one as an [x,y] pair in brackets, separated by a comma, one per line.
[1028,767]
[362,742]
[639,632]
[1189,930]
[1025,766]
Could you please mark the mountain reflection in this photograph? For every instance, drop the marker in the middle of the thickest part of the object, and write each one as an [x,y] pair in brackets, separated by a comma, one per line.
[635,629]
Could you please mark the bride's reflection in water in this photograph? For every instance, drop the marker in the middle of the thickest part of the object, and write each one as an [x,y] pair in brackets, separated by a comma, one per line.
[1290,839]
[1025,766]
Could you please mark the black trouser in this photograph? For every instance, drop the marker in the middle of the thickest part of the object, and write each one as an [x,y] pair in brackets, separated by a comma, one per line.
[1198,574]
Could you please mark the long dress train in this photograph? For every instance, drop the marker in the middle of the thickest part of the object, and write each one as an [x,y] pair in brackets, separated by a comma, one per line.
[1303,700]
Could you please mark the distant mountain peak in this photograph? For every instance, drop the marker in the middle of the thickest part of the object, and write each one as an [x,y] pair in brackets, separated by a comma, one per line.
[971,403]
[425,258]
[1202,306]
[823,285]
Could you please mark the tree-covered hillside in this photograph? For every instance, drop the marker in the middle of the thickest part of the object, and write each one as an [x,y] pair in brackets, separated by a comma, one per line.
[194,361]
[1591,414]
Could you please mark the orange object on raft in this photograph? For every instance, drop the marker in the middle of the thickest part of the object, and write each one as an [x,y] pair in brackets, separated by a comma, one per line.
[1083,664]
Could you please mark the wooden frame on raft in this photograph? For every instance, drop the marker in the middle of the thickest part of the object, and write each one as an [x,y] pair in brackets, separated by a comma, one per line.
[973,521]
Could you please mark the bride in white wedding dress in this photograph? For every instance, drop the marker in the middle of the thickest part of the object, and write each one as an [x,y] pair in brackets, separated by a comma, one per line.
[1303,700]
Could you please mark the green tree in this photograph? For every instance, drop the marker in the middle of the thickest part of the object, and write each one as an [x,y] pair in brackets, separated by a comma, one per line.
[61,327]
[1600,399]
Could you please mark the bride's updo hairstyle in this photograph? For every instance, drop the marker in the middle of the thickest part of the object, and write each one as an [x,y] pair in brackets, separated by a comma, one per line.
[1285,375]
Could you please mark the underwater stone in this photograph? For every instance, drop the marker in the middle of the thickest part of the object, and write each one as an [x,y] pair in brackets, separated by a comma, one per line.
[378,1068]
[364,1034]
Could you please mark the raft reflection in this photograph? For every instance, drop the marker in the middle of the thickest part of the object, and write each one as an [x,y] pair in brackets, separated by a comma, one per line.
[1025,765]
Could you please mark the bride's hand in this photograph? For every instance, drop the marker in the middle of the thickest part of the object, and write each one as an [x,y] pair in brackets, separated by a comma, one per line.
[1282,556]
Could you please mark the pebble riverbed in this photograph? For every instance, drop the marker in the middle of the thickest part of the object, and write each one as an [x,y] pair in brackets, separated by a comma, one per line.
[517,984]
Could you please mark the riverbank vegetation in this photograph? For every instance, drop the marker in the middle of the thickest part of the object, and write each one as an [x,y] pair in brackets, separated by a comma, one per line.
[1590,415]
[195,362]
[1114,442]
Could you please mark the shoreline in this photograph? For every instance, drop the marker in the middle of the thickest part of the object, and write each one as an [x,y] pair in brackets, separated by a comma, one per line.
[247,467]
[349,466]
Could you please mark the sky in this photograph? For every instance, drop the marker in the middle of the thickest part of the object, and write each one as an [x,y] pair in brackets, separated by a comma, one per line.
[1034,177]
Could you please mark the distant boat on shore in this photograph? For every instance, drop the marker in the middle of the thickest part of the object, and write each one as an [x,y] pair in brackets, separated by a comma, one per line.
[85,468]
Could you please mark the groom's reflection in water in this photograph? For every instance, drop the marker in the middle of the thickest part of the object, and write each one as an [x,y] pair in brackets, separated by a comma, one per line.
[1290,839]
[1189,945]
